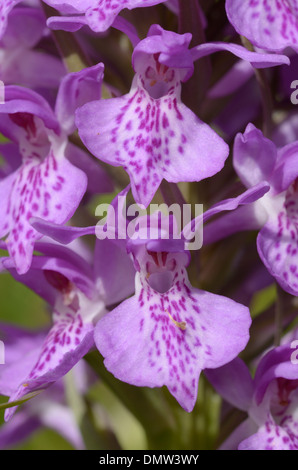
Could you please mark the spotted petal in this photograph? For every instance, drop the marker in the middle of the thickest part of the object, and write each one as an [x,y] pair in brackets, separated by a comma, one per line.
[67,342]
[151,138]
[103,14]
[155,339]
[99,14]
[278,248]
[51,190]
[270,25]
[21,352]
[71,6]
[269,437]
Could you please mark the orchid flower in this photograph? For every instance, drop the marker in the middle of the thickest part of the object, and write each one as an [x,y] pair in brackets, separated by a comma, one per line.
[168,332]
[45,184]
[78,293]
[257,159]
[49,408]
[98,14]
[149,131]
[270,399]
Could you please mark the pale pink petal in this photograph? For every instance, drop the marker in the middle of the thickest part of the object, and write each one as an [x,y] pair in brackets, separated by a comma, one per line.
[271,25]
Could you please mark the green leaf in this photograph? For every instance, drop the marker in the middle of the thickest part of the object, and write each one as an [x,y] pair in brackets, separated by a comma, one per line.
[262,300]
[22,400]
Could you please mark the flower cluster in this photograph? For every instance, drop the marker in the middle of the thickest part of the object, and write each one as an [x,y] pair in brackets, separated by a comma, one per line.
[125,105]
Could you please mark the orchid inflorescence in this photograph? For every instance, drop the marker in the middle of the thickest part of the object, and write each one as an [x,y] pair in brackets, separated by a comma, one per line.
[124,105]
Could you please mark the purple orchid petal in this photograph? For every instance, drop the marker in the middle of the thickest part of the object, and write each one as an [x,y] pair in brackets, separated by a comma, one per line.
[275,400]
[22,100]
[43,277]
[277,244]
[275,364]
[34,281]
[20,64]
[75,90]
[255,156]
[270,399]
[5,189]
[75,23]
[155,339]
[171,49]
[21,352]
[149,131]
[257,159]
[164,142]
[269,437]
[37,278]
[61,234]
[71,6]
[270,25]
[101,16]
[49,187]
[49,410]
[98,15]
[257,59]
[35,69]
[242,218]
[233,382]
[248,197]
[67,342]
[77,255]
